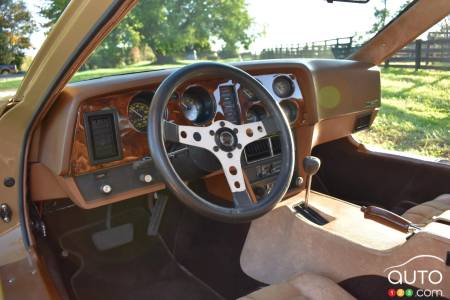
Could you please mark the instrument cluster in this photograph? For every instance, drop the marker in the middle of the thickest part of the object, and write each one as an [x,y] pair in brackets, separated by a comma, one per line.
[198,105]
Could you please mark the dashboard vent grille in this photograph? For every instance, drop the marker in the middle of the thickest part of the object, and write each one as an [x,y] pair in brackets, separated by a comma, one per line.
[276,145]
[258,150]
[362,122]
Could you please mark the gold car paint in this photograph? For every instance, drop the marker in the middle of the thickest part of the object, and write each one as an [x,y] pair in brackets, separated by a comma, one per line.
[80,29]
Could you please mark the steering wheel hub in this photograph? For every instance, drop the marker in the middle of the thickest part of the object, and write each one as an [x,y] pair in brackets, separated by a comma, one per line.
[226,139]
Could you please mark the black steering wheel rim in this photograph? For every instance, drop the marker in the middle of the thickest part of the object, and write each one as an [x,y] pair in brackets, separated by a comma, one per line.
[155,134]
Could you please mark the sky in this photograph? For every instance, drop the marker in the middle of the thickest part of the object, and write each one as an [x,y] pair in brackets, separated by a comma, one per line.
[286,21]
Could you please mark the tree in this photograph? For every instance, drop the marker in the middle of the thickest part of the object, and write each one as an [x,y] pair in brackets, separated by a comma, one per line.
[172,27]
[52,10]
[114,50]
[381,15]
[403,7]
[16,28]
[445,27]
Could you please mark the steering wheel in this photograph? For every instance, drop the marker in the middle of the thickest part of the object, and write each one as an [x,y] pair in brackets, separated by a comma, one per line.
[222,138]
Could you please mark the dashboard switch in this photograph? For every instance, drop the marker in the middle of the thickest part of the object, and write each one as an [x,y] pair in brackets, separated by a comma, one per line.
[105,189]
[147,178]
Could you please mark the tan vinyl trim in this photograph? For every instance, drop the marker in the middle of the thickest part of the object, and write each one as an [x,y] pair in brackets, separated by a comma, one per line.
[408,26]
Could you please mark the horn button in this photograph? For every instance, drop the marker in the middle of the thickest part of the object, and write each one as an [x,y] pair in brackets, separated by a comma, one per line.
[226,139]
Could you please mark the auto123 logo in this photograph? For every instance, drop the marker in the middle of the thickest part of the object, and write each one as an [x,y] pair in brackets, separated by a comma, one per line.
[400,275]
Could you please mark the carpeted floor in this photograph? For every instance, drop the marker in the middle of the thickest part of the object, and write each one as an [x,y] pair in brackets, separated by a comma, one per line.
[141,269]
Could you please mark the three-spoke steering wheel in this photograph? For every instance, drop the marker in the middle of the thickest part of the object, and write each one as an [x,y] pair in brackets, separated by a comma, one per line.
[225,140]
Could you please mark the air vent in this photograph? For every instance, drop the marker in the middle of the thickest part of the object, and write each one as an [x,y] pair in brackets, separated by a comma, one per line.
[258,150]
[362,122]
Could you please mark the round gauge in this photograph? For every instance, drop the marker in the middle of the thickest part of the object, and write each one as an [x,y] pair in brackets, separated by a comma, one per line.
[255,114]
[138,114]
[138,110]
[290,110]
[283,86]
[191,107]
[251,96]
[197,105]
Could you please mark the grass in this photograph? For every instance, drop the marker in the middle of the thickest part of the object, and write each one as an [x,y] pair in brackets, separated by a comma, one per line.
[415,113]
[414,116]
[13,83]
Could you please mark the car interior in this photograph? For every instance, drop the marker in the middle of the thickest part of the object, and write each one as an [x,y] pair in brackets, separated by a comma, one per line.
[218,181]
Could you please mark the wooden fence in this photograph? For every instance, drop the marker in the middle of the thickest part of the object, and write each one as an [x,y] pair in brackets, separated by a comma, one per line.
[433,53]
[334,48]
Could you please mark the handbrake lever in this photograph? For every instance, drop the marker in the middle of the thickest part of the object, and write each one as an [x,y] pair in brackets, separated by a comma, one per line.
[388,218]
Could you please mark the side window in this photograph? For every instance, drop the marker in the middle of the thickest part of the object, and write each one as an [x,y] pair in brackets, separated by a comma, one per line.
[415,109]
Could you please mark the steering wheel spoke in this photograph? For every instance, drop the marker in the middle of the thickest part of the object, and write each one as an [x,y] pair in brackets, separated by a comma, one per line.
[226,141]
[270,125]
[170,131]
[242,200]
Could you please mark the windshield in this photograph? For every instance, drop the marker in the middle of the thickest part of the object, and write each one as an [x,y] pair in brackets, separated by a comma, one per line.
[165,34]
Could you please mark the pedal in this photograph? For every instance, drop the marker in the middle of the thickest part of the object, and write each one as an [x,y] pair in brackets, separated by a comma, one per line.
[157,212]
[112,237]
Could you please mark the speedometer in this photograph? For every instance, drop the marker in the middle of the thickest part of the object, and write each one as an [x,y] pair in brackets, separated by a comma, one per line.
[138,114]
[138,110]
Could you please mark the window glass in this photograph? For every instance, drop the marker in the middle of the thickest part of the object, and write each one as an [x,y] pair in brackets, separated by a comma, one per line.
[166,34]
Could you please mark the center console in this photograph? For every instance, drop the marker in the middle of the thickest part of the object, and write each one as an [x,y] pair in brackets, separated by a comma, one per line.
[283,243]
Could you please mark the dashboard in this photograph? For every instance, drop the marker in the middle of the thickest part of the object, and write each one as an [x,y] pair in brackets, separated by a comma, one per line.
[93,141]
[112,130]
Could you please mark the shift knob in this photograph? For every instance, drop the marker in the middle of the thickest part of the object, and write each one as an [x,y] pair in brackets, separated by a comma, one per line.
[311,165]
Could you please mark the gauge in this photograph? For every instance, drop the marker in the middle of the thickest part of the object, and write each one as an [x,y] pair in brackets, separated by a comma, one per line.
[250,94]
[138,114]
[290,110]
[138,110]
[191,107]
[255,114]
[283,86]
[197,105]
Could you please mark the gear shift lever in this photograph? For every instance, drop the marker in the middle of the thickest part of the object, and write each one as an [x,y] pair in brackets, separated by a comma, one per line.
[311,166]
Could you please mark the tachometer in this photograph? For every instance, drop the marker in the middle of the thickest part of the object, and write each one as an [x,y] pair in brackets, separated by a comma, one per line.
[197,105]
[191,107]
